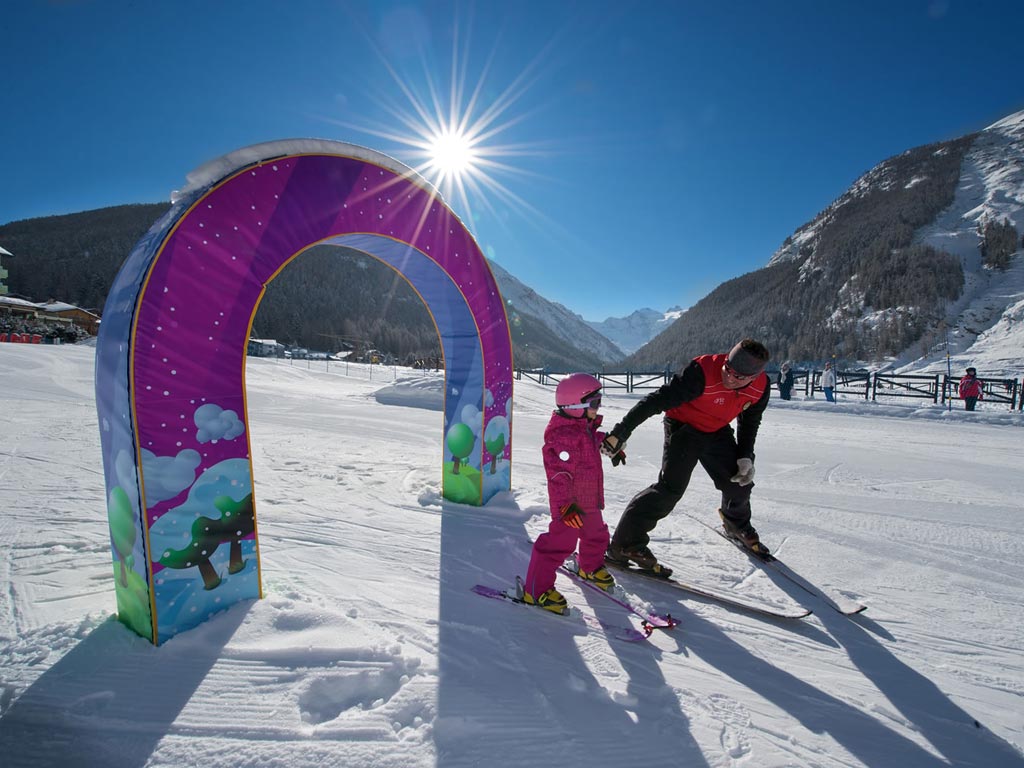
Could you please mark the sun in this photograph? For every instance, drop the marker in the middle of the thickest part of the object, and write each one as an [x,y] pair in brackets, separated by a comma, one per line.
[451,154]
[455,133]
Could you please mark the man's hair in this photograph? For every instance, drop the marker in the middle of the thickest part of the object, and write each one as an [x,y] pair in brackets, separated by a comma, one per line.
[748,357]
[756,348]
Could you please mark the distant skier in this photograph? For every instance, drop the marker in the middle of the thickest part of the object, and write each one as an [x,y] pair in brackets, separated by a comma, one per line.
[572,462]
[828,382]
[785,381]
[971,389]
[699,405]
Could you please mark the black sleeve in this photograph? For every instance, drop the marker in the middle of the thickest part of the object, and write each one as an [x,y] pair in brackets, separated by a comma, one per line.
[747,424]
[681,388]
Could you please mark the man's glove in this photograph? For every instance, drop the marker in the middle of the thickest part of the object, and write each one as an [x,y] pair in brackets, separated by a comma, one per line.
[618,458]
[611,444]
[572,515]
[745,472]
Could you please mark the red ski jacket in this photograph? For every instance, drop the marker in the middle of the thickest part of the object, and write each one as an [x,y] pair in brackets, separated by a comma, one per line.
[697,396]
[717,405]
[971,386]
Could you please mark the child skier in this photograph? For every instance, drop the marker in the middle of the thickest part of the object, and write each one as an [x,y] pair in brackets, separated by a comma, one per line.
[572,462]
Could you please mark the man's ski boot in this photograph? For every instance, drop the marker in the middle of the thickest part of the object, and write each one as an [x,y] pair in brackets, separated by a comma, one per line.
[551,600]
[600,578]
[744,534]
[641,557]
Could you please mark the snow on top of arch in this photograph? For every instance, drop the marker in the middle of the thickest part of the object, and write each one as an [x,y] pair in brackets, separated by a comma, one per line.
[213,171]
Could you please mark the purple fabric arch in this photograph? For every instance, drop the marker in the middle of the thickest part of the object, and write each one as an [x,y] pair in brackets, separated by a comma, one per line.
[170,385]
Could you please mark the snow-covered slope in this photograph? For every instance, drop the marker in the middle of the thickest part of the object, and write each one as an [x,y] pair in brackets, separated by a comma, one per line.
[987,323]
[369,649]
[986,328]
[633,331]
[565,324]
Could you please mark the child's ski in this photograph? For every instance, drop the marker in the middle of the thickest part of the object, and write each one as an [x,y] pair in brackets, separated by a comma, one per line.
[628,634]
[651,621]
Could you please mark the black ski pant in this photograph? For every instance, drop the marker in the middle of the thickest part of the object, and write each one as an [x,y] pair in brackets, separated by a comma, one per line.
[684,447]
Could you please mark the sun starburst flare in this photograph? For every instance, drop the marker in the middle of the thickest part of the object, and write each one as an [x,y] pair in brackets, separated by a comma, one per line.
[450,138]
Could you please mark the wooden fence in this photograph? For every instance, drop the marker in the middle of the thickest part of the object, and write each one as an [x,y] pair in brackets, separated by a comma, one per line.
[630,381]
[937,387]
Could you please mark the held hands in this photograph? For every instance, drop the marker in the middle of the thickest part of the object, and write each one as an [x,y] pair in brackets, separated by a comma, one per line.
[745,473]
[612,447]
[572,515]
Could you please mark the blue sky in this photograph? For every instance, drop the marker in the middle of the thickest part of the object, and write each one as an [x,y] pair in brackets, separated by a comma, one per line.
[661,148]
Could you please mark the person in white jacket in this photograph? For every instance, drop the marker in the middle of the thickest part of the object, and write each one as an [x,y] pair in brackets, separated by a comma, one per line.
[828,382]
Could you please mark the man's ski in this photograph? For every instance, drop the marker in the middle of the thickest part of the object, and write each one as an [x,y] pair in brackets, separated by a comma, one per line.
[786,572]
[707,594]
[628,634]
[651,621]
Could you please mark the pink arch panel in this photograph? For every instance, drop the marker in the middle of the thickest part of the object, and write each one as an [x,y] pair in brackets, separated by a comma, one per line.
[170,386]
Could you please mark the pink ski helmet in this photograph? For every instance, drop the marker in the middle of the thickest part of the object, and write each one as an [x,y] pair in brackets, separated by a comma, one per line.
[577,392]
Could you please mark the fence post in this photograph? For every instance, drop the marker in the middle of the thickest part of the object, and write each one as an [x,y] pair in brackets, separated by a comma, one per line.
[935,396]
[873,381]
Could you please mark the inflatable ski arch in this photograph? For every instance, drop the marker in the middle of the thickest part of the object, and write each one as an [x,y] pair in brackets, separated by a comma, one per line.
[171,354]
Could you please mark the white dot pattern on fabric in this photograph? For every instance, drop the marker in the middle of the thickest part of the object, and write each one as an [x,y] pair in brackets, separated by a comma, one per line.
[564,455]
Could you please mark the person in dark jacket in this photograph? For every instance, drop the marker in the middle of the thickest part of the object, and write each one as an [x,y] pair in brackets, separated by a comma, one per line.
[699,406]
[971,389]
[785,381]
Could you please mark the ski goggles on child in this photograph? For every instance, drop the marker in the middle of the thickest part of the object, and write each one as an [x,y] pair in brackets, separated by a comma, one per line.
[593,402]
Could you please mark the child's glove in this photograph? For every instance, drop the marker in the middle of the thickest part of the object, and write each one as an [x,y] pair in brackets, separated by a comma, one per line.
[572,515]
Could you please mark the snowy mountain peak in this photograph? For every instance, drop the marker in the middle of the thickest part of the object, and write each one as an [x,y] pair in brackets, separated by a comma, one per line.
[1013,123]
[984,322]
[633,331]
[564,323]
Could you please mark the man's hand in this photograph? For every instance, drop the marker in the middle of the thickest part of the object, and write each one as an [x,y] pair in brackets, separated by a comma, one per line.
[611,445]
[572,515]
[745,472]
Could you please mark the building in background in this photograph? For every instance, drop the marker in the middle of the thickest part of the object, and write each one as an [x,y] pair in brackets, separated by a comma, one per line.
[83,318]
[3,272]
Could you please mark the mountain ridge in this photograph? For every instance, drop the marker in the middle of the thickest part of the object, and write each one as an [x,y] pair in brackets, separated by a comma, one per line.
[892,273]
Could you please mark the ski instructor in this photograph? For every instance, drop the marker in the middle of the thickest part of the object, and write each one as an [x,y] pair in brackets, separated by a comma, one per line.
[699,405]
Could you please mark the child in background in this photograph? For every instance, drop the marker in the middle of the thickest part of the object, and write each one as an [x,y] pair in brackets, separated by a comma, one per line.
[572,462]
[971,389]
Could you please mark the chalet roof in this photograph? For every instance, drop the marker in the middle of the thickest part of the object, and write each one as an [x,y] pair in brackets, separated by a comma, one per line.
[21,303]
[57,306]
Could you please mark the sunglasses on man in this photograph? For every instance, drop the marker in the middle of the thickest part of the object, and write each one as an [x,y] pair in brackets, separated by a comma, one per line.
[738,376]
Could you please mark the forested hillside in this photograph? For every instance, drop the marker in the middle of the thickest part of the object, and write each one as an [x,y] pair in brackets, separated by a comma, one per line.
[324,297]
[852,282]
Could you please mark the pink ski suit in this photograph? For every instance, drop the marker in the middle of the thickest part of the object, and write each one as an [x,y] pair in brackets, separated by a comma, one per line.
[572,461]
